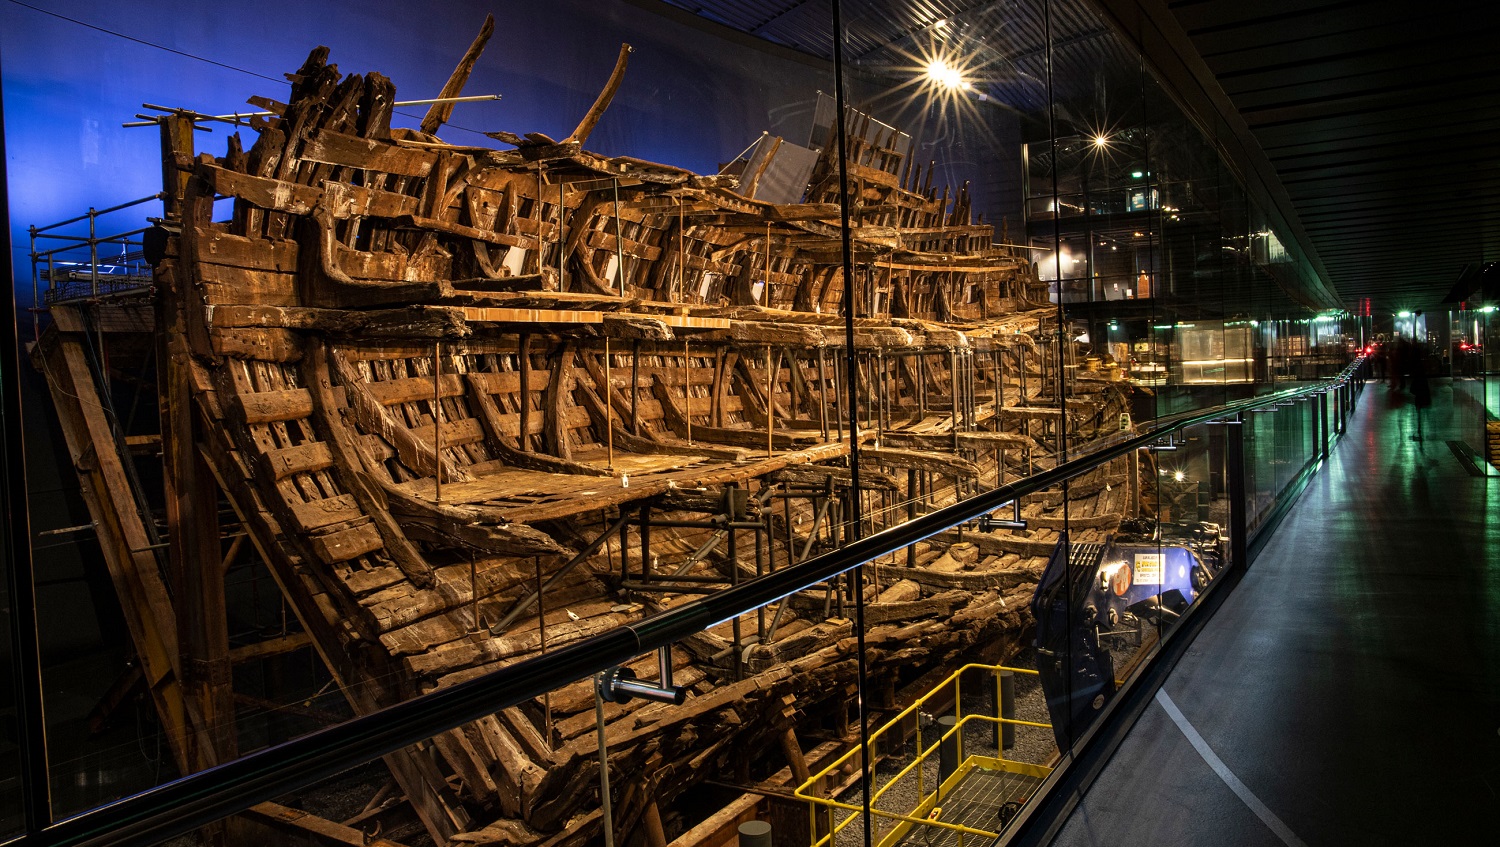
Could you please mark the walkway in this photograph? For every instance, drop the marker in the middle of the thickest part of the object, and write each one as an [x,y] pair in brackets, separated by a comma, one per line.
[1348,691]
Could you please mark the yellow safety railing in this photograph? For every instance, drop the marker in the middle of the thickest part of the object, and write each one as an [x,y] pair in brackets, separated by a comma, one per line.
[927,802]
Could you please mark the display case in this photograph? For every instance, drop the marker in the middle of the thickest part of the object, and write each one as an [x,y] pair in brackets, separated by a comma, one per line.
[1216,352]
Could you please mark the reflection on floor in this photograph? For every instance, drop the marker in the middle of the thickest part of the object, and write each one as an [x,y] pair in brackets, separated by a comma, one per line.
[1350,687]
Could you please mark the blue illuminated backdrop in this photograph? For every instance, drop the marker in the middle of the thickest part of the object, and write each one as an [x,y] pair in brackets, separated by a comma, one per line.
[75,70]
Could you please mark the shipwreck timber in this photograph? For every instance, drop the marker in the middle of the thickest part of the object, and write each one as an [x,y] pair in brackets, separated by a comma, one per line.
[470,404]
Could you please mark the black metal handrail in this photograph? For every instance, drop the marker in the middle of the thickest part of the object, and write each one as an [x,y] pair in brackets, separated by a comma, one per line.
[192,801]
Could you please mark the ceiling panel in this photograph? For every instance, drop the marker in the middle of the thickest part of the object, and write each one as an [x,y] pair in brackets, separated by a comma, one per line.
[1380,119]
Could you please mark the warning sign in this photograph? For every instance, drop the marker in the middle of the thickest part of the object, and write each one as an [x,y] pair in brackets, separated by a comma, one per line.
[1148,569]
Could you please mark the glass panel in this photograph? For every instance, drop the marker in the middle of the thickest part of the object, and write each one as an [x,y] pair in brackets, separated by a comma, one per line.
[12,811]
[379,398]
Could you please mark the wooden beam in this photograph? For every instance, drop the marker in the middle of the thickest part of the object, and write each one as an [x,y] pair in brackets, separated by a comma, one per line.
[144,599]
[270,647]
[307,828]
[438,113]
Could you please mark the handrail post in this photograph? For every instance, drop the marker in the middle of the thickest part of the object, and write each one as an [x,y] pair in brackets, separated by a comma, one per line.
[1323,424]
[36,297]
[1234,457]
[93,253]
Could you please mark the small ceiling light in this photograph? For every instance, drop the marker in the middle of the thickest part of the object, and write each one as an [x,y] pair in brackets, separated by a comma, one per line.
[1138,234]
[1136,174]
[1100,141]
[1403,314]
[1179,476]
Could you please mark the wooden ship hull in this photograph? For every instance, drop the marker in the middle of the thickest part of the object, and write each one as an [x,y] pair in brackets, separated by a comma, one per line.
[471,405]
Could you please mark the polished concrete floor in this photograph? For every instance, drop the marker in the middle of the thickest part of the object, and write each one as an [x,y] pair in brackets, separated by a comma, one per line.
[1348,691]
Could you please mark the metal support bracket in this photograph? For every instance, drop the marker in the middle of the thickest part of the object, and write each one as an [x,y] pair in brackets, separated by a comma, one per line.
[619,684]
[990,523]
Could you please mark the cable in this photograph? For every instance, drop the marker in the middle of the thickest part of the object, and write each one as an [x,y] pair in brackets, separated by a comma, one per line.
[142,41]
[187,55]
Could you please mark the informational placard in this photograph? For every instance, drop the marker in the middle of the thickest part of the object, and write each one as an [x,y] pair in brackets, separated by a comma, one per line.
[1148,569]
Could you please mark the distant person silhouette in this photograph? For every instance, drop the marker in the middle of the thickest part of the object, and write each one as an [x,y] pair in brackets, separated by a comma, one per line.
[1421,389]
[1401,363]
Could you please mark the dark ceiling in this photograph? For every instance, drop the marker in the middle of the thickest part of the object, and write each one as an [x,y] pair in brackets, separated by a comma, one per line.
[1378,118]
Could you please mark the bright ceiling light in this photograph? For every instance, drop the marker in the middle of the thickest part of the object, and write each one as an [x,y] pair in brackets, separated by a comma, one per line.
[945,75]
[1100,141]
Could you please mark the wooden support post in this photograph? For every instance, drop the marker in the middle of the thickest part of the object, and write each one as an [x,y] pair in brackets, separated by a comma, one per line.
[911,513]
[177,154]
[733,555]
[765,289]
[645,530]
[195,558]
[822,393]
[635,386]
[953,399]
[524,365]
[681,251]
[770,402]
[562,225]
[921,387]
[609,429]
[541,628]
[794,758]
[656,836]
[762,544]
[437,420]
[838,401]
[552,417]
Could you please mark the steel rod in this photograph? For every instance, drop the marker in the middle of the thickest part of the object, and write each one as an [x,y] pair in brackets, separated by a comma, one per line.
[126,205]
[238,118]
[604,800]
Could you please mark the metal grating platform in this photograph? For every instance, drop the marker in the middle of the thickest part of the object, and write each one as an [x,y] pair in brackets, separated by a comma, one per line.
[974,802]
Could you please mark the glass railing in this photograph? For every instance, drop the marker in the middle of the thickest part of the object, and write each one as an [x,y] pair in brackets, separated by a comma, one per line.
[968,755]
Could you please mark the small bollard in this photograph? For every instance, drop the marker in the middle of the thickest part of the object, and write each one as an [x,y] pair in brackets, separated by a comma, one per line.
[755,834]
[950,749]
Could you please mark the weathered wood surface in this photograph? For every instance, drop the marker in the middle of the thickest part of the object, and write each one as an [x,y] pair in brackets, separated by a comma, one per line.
[401,346]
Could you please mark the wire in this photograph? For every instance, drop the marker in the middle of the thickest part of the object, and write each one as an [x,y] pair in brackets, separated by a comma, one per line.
[187,55]
[97,28]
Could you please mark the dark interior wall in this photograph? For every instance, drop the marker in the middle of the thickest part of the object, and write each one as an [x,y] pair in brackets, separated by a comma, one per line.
[690,98]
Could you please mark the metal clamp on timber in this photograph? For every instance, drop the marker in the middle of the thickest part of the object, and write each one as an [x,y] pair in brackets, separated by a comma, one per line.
[1167,447]
[990,523]
[619,684]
